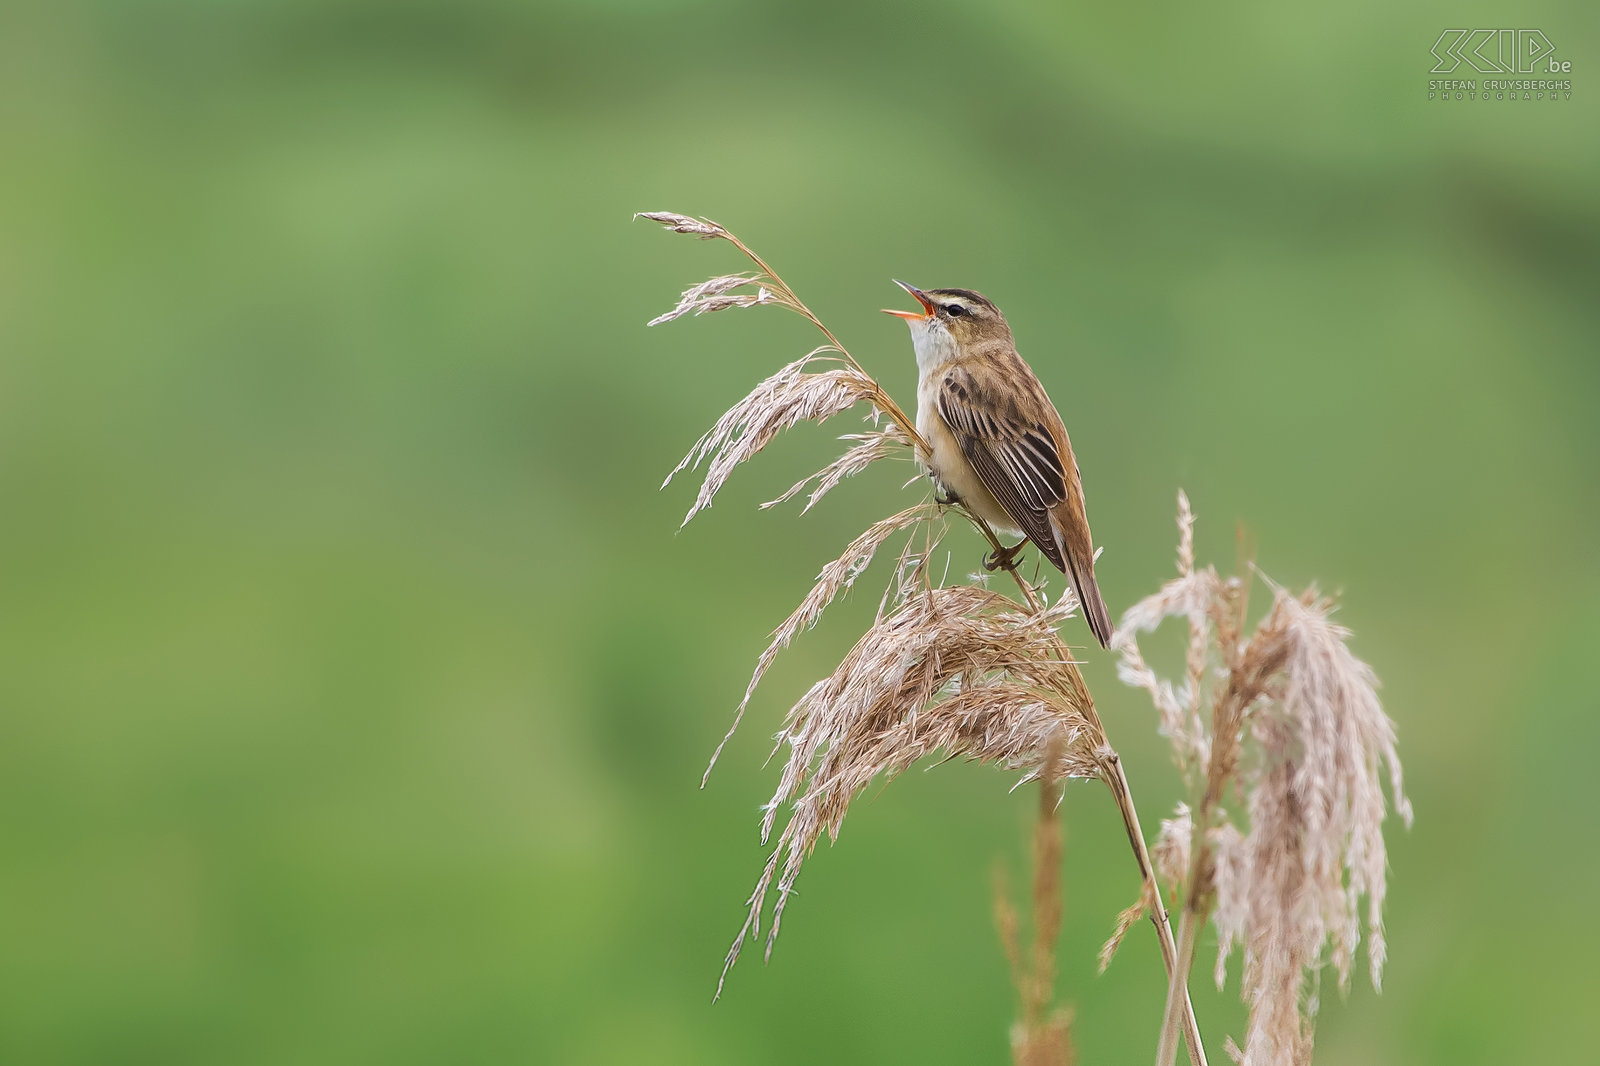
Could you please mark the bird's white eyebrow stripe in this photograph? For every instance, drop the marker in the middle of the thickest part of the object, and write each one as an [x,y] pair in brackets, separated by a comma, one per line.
[965,297]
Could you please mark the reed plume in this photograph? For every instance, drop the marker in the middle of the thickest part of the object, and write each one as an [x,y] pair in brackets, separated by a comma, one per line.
[956,670]
[1285,716]
[1289,719]
[1042,1035]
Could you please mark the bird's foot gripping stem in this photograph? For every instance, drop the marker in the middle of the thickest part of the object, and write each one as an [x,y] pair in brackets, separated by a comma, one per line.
[1005,559]
[944,497]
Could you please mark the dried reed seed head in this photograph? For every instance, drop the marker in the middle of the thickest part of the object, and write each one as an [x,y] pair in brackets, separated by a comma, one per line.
[1267,902]
[703,228]
[868,448]
[1171,856]
[1289,889]
[1190,597]
[1008,925]
[785,399]
[1034,978]
[835,578]
[1126,920]
[717,295]
[1048,1043]
[1185,535]
[958,670]
[1319,796]
[1171,852]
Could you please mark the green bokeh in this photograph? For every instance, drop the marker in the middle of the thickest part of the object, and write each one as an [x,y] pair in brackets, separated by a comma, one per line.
[357,688]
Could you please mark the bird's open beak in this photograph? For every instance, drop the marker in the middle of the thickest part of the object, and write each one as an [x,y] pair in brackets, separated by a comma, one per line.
[913,316]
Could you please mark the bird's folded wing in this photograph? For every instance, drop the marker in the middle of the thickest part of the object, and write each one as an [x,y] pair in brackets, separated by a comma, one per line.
[1014,456]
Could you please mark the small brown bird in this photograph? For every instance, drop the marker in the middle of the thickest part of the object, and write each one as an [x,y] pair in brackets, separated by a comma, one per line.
[998,444]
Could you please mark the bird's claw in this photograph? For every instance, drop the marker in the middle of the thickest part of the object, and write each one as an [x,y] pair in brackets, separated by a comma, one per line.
[1004,559]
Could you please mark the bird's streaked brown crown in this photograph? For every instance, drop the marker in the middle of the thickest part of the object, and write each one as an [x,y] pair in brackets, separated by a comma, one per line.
[969,316]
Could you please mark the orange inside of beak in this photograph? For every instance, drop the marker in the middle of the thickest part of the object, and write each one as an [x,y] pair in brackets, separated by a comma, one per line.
[912,316]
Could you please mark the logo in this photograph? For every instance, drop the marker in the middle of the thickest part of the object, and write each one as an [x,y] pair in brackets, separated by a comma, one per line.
[1499,51]
[1496,52]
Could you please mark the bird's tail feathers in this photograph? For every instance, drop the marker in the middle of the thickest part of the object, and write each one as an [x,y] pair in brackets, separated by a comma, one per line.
[1094,607]
[1090,601]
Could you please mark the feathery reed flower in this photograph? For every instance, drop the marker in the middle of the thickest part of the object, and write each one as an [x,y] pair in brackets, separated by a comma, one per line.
[699,227]
[957,670]
[781,402]
[951,670]
[868,448]
[836,577]
[1041,1036]
[1295,726]
[717,295]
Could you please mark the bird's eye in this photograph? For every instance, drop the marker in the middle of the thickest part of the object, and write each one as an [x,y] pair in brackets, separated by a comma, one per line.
[954,310]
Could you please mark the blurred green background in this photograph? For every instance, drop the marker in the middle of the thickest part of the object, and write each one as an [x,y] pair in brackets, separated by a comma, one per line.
[357,687]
